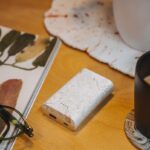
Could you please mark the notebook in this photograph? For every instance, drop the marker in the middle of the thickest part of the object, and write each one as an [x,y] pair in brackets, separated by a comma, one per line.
[25,60]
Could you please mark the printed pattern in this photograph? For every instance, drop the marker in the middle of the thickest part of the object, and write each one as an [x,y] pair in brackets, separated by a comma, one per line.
[24,46]
[136,138]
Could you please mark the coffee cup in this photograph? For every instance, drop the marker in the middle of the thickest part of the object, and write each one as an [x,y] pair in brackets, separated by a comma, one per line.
[142,95]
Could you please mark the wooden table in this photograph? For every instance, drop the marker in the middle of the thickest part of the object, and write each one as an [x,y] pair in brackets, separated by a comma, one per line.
[104,131]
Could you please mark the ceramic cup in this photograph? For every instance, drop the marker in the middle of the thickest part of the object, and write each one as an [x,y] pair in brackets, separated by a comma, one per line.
[142,95]
[132,18]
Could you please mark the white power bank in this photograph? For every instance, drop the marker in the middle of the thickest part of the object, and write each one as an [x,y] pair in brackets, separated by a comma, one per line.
[72,104]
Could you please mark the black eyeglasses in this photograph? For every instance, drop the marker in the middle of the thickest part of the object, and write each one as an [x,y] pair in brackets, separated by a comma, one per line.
[8,119]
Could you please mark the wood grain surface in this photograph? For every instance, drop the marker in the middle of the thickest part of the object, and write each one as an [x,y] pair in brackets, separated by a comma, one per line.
[103,131]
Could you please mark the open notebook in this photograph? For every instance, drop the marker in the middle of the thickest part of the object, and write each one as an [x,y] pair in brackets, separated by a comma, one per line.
[24,63]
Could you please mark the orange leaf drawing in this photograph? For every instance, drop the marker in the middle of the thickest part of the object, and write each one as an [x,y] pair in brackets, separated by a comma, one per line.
[9,92]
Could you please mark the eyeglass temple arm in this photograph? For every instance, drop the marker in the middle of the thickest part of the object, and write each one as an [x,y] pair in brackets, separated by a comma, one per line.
[5,132]
[8,117]
[7,129]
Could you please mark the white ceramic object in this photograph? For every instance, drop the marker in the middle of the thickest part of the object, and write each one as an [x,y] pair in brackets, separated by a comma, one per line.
[72,104]
[132,19]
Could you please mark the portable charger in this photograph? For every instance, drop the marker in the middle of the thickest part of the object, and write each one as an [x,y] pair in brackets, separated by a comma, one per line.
[72,103]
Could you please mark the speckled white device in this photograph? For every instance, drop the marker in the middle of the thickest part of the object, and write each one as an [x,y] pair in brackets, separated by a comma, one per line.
[72,104]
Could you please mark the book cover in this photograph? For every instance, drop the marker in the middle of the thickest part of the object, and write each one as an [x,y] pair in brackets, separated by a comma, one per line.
[25,60]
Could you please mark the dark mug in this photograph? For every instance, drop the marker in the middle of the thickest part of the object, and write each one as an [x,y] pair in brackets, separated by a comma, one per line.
[142,95]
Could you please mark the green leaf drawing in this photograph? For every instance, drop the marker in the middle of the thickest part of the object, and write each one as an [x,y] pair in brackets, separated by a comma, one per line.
[1,62]
[33,50]
[21,42]
[8,39]
[42,59]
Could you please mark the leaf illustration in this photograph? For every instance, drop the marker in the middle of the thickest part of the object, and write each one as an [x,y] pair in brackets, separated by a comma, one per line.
[42,59]
[9,92]
[8,39]
[1,63]
[33,50]
[23,41]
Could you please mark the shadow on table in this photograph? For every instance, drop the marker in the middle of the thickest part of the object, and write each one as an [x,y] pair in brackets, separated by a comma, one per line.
[94,112]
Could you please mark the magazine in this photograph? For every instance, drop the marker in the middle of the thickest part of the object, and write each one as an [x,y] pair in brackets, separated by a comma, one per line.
[25,60]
